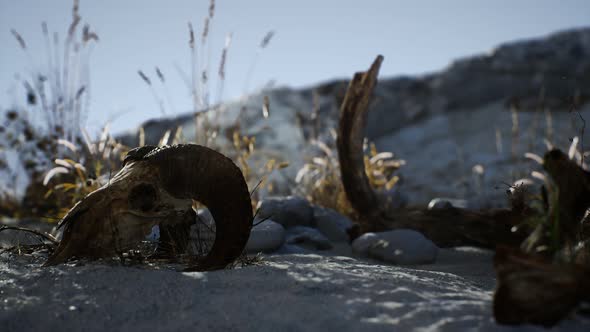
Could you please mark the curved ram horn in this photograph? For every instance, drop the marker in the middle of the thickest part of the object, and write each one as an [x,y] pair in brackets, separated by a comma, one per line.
[205,175]
[156,186]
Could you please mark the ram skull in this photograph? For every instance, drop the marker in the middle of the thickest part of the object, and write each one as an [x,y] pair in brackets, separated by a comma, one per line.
[157,186]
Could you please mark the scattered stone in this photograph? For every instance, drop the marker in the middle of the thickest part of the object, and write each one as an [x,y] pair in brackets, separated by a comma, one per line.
[154,235]
[308,237]
[524,183]
[204,228]
[447,203]
[266,237]
[440,126]
[288,211]
[288,249]
[363,243]
[204,216]
[332,224]
[401,246]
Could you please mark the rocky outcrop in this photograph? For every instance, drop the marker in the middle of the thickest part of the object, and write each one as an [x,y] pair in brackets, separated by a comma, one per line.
[444,123]
[557,66]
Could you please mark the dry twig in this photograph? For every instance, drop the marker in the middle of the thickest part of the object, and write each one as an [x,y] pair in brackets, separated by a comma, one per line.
[40,234]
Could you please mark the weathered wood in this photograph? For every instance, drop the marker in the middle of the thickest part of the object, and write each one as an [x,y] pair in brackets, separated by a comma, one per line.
[457,227]
[573,192]
[532,289]
[447,227]
[351,133]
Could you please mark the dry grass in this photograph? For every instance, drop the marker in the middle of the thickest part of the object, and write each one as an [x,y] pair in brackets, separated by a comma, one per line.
[319,180]
[55,109]
[543,204]
[207,109]
[73,165]
[545,237]
[545,222]
[61,93]
[84,170]
[81,165]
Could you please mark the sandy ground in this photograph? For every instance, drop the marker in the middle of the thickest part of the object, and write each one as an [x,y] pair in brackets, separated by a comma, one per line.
[283,293]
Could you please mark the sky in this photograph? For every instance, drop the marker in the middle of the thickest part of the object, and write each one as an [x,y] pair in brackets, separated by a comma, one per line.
[314,41]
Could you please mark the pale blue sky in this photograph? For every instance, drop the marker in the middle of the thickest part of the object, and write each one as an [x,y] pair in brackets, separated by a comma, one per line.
[315,41]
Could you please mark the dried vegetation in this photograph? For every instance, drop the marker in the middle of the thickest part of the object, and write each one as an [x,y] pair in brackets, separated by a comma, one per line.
[541,240]
[542,258]
[75,165]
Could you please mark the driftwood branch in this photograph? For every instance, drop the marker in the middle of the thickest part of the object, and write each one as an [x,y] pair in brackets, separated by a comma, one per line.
[573,192]
[351,133]
[532,289]
[447,227]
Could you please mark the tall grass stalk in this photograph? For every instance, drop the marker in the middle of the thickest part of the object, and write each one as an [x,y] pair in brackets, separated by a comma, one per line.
[61,91]
[263,45]
[153,91]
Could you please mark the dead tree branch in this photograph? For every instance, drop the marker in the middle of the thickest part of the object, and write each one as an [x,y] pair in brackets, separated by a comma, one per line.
[447,227]
[40,234]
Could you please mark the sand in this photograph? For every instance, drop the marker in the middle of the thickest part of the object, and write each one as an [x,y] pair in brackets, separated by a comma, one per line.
[293,292]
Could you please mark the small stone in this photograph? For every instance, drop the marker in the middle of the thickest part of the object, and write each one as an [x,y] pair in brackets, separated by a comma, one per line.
[154,235]
[401,246]
[308,237]
[362,243]
[266,237]
[288,249]
[204,227]
[288,211]
[523,182]
[332,224]
[205,216]
[447,203]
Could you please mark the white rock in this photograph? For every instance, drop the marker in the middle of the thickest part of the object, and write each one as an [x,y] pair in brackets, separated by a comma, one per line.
[308,237]
[154,235]
[266,237]
[361,244]
[288,211]
[525,182]
[288,249]
[204,216]
[332,224]
[446,203]
[401,246]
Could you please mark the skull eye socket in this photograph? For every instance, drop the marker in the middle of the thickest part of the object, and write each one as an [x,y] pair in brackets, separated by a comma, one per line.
[142,197]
